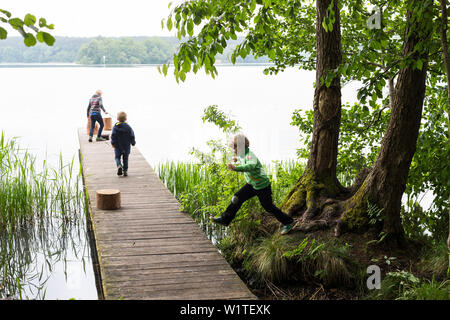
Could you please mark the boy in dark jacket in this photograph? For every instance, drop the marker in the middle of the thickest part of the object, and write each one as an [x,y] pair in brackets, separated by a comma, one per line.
[122,138]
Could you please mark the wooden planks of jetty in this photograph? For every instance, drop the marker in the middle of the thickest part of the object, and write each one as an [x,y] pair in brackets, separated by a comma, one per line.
[148,249]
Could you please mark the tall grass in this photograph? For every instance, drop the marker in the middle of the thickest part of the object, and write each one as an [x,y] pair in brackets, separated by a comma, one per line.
[27,194]
[40,208]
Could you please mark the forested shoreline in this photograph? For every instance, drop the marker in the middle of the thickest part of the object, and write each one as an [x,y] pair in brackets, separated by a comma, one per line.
[102,50]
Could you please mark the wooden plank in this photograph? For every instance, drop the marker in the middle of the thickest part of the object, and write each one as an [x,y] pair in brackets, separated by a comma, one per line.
[148,249]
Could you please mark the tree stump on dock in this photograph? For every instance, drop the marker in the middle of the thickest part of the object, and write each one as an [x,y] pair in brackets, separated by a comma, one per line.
[108,199]
[108,123]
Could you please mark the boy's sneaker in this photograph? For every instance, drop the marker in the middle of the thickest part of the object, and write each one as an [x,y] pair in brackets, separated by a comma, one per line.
[119,170]
[100,139]
[90,139]
[125,173]
[286,228]
[219,220]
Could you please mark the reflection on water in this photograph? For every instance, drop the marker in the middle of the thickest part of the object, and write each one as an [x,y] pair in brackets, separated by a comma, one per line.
[46,251]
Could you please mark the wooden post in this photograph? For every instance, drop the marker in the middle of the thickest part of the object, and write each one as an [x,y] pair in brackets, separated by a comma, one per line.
[108,199]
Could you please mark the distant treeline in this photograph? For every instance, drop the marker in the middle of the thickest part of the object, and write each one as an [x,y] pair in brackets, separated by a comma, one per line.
[99,50]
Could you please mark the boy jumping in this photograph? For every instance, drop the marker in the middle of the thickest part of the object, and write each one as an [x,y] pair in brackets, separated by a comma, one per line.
[122,137]
[258,184]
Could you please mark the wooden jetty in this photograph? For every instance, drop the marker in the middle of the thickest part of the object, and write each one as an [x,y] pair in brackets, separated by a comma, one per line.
[148,249]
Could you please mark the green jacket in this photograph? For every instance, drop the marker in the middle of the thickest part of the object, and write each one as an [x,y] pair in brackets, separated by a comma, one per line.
[254,172]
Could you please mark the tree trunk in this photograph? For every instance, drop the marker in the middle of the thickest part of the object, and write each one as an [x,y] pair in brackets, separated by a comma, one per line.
[445,56]
[327,100]
[385,184]
[319,178]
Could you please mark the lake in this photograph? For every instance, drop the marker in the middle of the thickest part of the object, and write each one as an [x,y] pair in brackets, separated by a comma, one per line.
[45,105]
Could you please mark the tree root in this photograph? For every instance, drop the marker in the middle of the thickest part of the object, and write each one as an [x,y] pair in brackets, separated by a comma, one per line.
[320,203]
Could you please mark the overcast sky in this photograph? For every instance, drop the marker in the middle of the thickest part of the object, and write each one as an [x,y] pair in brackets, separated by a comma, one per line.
[90,18]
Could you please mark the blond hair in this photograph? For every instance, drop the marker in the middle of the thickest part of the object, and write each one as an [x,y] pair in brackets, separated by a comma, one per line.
[122,116]
[99,92]
[238,141]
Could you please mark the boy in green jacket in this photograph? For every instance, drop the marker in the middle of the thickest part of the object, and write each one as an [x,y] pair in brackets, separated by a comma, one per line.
[258,184]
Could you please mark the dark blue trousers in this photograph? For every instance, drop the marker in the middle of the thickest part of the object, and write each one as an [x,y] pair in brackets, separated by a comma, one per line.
[99,119]
[119,156]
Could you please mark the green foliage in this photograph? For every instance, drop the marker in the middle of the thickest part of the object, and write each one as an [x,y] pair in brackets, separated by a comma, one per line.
[64,50]
[217,22]
[374,213]
[403,285]
[362,128]
[212,114]
[430,168]
[28,28]
[125,51]
[436,261]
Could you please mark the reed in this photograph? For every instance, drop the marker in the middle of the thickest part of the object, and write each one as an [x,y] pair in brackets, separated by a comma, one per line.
[40,207]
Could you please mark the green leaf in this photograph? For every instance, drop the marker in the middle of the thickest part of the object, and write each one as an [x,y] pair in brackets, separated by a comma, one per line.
[29,40]
[233,58]
[6,13]
[42,22]
[164,69]
[325,24]
[182,76]
[419,64]
[15,23]
[267,3]
[169,23]
[190,27]
[29,20]
[48,38]
[40,36]
[187,65]
[3,33]
[272,54]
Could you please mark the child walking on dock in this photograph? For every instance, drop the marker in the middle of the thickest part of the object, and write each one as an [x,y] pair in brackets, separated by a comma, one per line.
[122,138]
[258,184]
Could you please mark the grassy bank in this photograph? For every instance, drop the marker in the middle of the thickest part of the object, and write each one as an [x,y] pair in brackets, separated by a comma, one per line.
[300,266]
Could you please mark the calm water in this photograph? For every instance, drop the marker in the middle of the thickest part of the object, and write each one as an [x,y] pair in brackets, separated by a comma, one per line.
[45,106]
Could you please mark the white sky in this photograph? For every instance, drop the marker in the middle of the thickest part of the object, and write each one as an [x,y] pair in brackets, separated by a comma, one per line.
[90,18]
